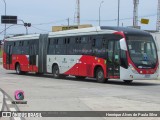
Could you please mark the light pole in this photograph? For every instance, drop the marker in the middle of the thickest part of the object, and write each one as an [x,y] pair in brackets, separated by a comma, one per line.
[26,25]
[100,12]
[118,12]
[5,15]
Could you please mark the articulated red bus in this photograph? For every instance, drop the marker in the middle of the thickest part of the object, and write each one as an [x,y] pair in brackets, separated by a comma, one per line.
[98,52]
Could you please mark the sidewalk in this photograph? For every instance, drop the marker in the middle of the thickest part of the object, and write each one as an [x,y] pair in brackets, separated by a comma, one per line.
[1,100]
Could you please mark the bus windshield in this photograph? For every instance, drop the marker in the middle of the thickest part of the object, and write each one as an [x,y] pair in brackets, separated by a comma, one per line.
[142,51]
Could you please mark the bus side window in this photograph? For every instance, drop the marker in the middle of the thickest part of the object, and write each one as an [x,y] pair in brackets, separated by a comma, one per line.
[70,47]
[65,40]
[60,41]
[51,46]
[55,41]
[7,49]
[104,42]
[99,42]
[35,47]
[61,47]
[68,40]
[11,50]
[80,40]
[18,47]
[26,47]
[93,42]
[22,43]
[84,47]
[77,40]
[49,41]
[84,40]
[14,43]
[17,43]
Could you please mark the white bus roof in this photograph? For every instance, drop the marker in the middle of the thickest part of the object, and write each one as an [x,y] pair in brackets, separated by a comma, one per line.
[82,31]
[24,37]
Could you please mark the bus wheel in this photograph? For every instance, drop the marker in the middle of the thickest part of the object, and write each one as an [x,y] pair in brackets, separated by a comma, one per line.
[55,72]
[128,81]
[18,70]
[100,75]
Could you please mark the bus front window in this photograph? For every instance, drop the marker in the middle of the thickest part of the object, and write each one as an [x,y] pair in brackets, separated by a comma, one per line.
[142,51]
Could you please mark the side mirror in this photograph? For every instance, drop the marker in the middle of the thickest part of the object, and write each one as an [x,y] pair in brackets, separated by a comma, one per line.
[123,45]
[123,53]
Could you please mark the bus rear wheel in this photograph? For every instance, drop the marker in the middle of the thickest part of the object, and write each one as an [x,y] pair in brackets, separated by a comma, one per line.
[55,71]
[18,70]
[100,75]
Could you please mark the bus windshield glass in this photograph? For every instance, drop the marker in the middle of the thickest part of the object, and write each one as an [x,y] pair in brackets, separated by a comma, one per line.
[142,51]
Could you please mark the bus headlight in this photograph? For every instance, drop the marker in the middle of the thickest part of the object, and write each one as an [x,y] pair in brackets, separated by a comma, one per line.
[133,69]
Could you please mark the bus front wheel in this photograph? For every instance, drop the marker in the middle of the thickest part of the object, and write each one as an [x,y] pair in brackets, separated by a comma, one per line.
[100,75]
[56,71]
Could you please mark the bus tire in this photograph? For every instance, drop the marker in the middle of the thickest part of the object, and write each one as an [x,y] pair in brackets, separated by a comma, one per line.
[55,72]
[18,70]
[128,81]
[100,75]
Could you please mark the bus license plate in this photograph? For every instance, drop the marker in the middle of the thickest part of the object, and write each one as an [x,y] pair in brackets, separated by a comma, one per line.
[147,76]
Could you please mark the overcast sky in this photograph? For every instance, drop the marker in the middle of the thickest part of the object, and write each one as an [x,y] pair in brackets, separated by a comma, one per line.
[43,14]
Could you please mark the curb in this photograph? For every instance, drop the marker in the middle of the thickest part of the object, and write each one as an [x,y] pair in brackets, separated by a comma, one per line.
[1,101]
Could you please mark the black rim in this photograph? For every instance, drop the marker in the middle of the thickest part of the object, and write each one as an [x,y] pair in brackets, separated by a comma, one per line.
[18,69]
[100,75]
[55,71]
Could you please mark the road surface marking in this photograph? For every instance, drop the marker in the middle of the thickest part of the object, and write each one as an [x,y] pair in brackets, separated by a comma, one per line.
[12,109]
[8,102]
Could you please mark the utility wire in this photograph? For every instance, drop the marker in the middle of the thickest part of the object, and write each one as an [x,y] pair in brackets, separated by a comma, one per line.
[122,18]
[6,29]
[40,29]
[53,22]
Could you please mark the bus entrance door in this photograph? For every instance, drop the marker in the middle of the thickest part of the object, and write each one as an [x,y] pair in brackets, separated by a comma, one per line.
[113,64]
[9,56]
[32,58]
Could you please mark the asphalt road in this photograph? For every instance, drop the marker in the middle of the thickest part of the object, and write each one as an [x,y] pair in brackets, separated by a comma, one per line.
[43,93]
